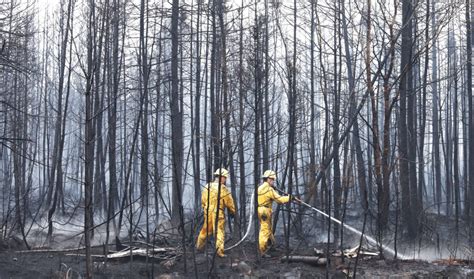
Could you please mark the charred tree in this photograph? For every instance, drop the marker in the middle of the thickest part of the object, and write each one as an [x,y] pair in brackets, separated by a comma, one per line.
[404,121]
[435,106]
[89,138]
[469,208]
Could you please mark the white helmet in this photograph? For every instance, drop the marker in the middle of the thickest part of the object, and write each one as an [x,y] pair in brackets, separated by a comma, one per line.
[222,172]
[269,174]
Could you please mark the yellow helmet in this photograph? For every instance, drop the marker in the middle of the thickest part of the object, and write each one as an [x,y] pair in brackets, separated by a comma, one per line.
[269,174]
[222,172]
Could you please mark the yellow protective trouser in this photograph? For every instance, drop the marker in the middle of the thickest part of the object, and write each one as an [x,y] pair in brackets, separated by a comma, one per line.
[266,234]
[208,229]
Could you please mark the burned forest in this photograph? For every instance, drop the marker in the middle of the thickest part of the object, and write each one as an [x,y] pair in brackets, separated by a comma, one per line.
[236,139]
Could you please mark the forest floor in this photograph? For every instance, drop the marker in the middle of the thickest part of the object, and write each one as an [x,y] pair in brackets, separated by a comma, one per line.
[435,257]
[240,262]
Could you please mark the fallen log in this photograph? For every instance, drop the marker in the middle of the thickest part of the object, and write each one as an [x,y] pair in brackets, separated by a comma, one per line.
[83,255]
[318,252]
[352,252]
[349,253]
[156,253]
[56,250]
[318,261]
[454,262]
[160,253]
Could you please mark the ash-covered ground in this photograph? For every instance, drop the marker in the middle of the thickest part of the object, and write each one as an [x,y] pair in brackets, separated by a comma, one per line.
[441,253]
[241,262]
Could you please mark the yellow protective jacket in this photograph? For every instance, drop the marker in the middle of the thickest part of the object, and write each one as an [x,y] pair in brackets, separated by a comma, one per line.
[209,197]
[267,194]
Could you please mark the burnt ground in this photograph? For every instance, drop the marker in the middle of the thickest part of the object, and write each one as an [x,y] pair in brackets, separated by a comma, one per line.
[241,262]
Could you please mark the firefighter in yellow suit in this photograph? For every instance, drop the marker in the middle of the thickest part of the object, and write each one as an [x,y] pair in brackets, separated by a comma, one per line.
[266,195]
[209,199]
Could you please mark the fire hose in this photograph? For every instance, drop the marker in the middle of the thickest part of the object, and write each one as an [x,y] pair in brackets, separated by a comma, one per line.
[369,239]
[249,226]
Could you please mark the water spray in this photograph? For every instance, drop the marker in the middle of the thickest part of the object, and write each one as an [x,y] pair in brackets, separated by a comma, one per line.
[369,239]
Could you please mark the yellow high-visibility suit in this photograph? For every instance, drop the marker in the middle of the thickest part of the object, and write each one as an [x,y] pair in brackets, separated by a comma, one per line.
[266,196]
[209,205]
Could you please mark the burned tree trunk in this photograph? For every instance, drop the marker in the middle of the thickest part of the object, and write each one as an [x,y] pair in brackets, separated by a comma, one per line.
[405,88]
[176,120]
[361,172]
[469,207]
[335,119]
[243,216]
[89,139]
[177,214]
[435,120]
[56,168]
